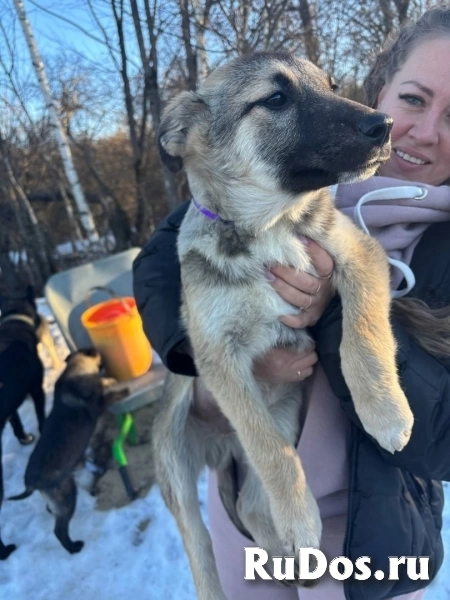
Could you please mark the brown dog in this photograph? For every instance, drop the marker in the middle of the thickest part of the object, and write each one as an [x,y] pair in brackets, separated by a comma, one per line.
[80,398]
[21,371]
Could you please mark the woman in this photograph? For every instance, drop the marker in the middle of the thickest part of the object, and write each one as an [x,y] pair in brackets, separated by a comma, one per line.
[372,503]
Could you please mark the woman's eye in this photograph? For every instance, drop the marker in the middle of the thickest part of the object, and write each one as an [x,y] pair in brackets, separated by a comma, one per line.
[276,100]
[412,100]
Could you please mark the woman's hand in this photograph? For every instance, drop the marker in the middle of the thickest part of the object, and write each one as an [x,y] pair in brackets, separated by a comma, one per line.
[284,365]
[311,294]
[280,365]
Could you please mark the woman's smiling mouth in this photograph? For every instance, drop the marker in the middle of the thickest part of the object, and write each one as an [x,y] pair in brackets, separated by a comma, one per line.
[411,159]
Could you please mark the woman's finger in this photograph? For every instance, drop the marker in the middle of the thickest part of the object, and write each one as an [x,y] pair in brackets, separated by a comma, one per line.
[301,281]
[282,364]
[322,261]
[295,296]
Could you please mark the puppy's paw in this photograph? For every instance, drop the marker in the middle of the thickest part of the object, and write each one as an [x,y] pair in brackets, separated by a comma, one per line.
[390,423]
[75,547]
[27,439]
[308,583]
[299,525]
[5,551]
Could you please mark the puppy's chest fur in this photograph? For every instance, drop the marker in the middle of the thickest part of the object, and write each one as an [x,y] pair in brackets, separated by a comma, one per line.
[226,295]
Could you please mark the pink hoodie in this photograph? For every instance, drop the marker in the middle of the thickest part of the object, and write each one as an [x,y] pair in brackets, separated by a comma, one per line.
[398,224]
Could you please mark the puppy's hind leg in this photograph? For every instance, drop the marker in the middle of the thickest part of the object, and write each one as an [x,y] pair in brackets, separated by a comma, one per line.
[179,458]
[62,503]
[19,432]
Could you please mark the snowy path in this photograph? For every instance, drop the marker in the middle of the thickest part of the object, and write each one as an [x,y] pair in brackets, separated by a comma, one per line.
[126,555]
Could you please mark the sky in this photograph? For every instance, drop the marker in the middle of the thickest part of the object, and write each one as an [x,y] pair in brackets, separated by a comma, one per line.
[69,47]
[52,33]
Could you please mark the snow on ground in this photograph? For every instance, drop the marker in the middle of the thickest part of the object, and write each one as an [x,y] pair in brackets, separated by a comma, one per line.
[133,552]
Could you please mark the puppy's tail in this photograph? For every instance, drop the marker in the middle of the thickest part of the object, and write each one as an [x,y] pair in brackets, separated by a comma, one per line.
[23,495]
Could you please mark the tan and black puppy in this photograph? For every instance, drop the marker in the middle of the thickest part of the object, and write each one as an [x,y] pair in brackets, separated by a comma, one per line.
[261,140]
[81,396]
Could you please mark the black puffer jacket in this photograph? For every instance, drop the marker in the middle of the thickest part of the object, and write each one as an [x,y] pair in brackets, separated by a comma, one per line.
[395,501]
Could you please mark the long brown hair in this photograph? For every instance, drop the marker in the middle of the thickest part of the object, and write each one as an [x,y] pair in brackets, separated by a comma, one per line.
[434,23]
[430,327]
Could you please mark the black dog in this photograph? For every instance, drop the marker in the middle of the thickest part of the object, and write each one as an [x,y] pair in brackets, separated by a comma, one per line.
[21,371]
[80,399]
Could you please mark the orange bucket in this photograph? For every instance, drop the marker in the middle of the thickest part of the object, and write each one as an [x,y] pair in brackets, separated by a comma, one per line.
[115,329]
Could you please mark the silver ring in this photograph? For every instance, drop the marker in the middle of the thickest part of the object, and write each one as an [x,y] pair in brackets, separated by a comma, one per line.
[310,300]
[318,289]
[299,373]
[325,276]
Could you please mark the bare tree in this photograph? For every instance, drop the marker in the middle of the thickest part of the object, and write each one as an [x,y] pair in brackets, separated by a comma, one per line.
[33,232]
[150,64]
[191,53]
[63,145]
[201,12]
[76,234]
[312,44]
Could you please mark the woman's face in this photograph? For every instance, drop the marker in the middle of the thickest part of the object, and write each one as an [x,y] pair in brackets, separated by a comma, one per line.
[418,99]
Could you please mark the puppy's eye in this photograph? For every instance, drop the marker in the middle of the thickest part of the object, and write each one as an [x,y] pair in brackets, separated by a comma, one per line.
[276,100]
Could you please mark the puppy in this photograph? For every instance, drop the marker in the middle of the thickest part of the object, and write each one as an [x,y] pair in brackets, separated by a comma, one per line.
[260,141]
[21,371]
[81,396]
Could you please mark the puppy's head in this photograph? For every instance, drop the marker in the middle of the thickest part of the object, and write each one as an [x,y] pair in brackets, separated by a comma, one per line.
[20,302]
[86,359]
[272,121]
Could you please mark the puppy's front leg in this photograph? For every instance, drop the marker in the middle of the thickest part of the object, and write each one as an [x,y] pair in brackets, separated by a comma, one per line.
[368,345]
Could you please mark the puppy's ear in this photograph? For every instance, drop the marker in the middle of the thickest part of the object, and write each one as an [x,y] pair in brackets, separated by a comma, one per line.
[180,115]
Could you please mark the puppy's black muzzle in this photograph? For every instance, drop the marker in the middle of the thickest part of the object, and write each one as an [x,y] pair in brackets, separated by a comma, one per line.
[376,127]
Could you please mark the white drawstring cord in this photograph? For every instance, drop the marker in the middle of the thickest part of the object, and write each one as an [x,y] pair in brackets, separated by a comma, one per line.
[393,193]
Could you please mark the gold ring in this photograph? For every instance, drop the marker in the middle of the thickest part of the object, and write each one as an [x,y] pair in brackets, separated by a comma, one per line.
[325,276]
[310,300]
[318,289]
[299,373]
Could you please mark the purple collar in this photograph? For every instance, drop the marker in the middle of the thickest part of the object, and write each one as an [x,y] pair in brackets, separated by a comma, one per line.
[208,213]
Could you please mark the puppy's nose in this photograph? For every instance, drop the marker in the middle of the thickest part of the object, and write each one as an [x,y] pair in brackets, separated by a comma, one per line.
[376,127]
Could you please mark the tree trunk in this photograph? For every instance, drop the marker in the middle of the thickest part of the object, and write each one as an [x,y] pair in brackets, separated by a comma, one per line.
[312,45]
[201,14]
[191,58]
[118,220]
[86,218]
[152,86]
[402,7]
[388,16]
